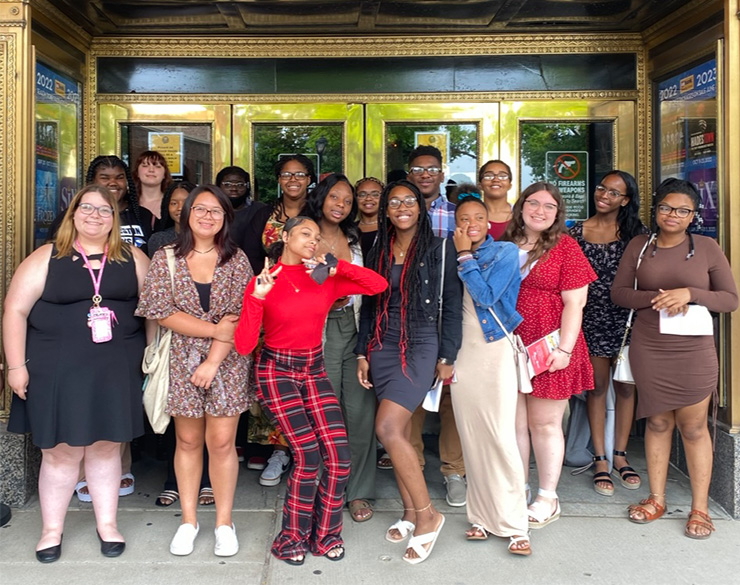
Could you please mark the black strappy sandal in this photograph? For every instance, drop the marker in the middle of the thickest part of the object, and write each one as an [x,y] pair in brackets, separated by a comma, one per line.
[602,477]
[625,473]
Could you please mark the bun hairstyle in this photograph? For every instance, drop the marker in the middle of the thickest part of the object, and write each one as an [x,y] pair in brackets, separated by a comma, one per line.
[276,249]
[185,242]
[466,193]
[549,237]
[628,217]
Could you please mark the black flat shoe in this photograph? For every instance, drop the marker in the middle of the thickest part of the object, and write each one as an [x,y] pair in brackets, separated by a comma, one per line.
[336,557]
[51,554]
[296,561]
[111,549]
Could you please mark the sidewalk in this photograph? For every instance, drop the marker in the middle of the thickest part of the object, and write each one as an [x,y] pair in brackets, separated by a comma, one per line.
[592,543]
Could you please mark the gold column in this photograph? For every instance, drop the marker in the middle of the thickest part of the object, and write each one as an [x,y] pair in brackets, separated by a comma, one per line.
[16,144]
[731,95]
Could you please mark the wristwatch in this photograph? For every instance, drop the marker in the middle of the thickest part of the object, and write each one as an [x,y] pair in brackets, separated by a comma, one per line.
[443,361]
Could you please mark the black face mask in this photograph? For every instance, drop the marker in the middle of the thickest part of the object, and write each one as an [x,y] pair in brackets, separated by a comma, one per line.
[237,202]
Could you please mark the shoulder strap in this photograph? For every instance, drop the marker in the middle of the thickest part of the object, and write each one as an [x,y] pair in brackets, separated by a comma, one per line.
[441,289]
[171,263]
[632,311]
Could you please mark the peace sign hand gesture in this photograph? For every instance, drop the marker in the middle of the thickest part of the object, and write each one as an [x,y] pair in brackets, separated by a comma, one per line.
[265,281]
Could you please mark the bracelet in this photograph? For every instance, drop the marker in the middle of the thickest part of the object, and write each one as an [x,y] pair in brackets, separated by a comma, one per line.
[463,251]
[23,365]
[464,257]
[568,353]
[361,357]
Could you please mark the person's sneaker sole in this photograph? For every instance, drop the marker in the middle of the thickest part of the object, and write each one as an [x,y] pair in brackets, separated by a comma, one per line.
[270,482]
[456,504]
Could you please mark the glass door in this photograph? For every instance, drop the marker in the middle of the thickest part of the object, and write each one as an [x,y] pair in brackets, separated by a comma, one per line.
[466,134]
[332,135]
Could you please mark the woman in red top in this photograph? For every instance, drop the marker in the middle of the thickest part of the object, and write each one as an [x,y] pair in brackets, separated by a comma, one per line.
[294,388]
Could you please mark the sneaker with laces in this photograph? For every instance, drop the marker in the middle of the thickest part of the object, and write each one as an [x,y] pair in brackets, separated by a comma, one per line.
[457,491]
[277,464]
[184,540]
[227,545]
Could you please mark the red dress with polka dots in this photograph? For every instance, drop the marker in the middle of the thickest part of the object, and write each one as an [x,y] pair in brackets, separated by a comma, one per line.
[541,304]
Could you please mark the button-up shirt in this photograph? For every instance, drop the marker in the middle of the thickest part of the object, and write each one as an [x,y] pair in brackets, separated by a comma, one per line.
[442,214]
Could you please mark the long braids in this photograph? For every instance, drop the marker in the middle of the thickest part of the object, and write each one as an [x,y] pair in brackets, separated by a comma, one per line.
[111,162]
[381,260]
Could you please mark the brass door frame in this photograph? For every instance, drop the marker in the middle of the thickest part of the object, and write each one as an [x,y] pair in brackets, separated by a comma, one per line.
[246,116]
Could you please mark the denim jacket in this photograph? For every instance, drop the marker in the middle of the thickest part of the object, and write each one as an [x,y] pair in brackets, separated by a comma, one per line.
[492,278]
[430,273]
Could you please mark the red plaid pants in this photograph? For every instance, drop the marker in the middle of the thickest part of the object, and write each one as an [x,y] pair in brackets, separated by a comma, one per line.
[300,400]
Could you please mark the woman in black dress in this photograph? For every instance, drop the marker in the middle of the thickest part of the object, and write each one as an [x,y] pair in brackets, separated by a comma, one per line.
[400,347]
[78,396]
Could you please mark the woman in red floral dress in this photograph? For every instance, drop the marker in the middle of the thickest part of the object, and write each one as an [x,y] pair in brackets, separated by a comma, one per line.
[555,279]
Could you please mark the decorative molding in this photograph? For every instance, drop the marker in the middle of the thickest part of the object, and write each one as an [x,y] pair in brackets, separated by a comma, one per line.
[380,46]
[680,19]
[62,20]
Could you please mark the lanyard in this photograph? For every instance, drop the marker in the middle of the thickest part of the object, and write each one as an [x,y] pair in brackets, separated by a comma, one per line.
[96,281]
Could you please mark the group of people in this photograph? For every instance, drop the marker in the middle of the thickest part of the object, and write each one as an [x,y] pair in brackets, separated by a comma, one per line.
[330,314]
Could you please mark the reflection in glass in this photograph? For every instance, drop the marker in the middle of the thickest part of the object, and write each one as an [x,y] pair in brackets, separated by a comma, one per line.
[322,143]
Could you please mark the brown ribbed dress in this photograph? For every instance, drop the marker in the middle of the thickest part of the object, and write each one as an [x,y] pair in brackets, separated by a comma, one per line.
[673,371]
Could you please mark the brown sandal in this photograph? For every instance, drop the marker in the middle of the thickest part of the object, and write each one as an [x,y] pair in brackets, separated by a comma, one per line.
[647,515]
[705,522]
[356,507]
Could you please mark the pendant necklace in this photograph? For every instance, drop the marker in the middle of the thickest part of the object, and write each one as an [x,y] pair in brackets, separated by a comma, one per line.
[290,282]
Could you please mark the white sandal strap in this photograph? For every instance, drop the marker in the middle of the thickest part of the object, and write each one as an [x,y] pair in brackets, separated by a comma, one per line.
[404,527]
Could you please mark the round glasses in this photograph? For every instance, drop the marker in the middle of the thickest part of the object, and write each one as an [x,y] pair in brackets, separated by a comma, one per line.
[500,176]
[103,210]
[611,193]
[407,201]
[368,195]
[200,212]
[534,204]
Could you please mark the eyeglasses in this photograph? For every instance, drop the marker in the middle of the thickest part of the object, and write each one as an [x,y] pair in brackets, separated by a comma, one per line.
[200,212]
[433,171]
[286,175]
[500,176]
[611,193]
[103,210]
[238,184]
[681,212]
[368,195]
[407,201]
[534,204]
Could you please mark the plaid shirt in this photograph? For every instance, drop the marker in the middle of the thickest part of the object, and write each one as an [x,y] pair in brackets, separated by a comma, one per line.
[442,214]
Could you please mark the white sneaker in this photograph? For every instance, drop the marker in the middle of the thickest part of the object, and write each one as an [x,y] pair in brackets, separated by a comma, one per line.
[184,539]
[227,545]
[277,464]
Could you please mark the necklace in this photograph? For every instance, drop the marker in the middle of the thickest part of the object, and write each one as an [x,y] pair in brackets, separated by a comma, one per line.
[401,251]
[290,282]
[204,251]
[363,222]
[331,245]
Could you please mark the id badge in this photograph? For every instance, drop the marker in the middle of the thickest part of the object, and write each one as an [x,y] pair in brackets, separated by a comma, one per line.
[100,321]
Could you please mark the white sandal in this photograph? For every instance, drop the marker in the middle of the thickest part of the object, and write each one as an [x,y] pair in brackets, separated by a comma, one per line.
[541,513]
[417,544]
[404,528]
[514,540]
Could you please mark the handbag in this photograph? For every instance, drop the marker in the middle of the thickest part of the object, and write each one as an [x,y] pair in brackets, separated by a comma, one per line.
[434,395]
[156,366]
[622,369]
[521,358]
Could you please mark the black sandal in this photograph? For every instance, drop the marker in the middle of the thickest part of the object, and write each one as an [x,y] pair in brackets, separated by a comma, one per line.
[625,473]
[602,477]
[337,556]
[296,561]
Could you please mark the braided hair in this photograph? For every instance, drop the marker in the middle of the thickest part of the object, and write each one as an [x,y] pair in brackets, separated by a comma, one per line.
[380,259]
[307,163]
[111,162]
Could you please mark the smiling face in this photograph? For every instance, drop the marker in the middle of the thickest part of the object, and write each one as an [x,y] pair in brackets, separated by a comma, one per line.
[176,202]
[301,242]
[539,211]
[294,188]
[368,197]
[114,178]
[473,218]
[603,201]
[670,223]
[338,203]
[492,185]
[93,226]
[427,183]
[234,185]
[403,217]
[210,224]
[151,173]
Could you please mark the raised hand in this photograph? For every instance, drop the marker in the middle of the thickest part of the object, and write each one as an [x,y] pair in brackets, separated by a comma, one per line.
[265,280]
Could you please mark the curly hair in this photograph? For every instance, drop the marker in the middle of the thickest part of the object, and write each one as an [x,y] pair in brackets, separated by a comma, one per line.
[380,259]
[547,238]
[314,206]
[113,162]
